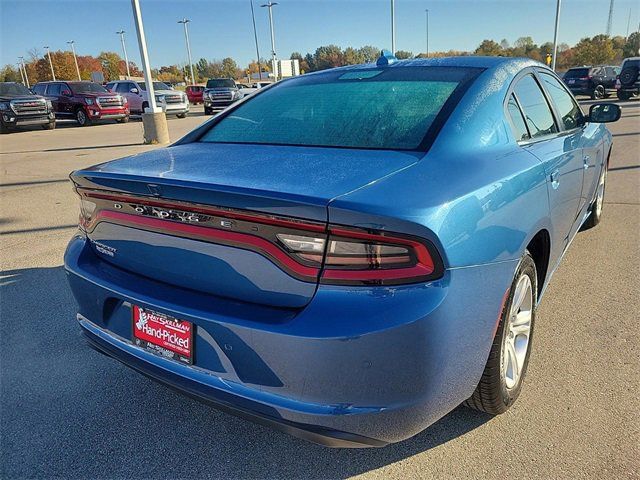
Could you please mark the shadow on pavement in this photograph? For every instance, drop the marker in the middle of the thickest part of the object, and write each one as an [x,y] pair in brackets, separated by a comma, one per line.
[70,412]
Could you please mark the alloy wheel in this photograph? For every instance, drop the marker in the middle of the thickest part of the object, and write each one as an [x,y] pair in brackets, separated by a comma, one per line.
[600,193]
[81,117]
[516,338]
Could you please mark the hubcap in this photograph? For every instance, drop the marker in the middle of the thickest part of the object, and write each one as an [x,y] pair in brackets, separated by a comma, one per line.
[81,117]
[599,93]
[516,339]
[600,194]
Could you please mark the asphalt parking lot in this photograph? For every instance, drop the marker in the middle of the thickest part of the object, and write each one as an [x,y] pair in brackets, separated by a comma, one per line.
[67,411]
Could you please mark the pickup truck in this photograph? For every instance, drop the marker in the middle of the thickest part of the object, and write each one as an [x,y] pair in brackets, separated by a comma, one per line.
[85,102]
[219,94]
[19,107]
[171,101]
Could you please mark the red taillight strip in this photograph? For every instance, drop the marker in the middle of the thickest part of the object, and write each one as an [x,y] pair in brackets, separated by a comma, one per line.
[422,253]
[248,217]
[417,271]
[240,239]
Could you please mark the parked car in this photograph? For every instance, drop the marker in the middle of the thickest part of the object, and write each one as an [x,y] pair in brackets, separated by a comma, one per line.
[596,82]
[86,102]
[219,94]
[19,107]
[345,270]
[253,88]
[171,101]
[628,82]
[194,93]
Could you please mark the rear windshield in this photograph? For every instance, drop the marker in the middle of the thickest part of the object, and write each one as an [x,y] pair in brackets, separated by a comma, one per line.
[380,109]
[577,73]
[13,89]
[156,86]
[631,63]
[221,83]
[86,87]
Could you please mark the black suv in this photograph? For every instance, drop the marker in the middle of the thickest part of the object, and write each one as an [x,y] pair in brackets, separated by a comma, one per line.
[19,107]
[219,94]
[628,83]
[596,82]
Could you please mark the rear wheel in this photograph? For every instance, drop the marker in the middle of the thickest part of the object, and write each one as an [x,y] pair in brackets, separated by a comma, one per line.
[181,115]
[123,120]
[208,111]
[598,202]
[82,118]
[622,95]
[49,126]
[598,92]
[504,372]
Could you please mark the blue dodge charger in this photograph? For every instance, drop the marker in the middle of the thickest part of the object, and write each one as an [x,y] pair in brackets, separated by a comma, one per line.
[347,255]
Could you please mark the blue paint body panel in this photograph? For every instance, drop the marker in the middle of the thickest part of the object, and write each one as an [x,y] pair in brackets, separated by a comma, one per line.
[373,364]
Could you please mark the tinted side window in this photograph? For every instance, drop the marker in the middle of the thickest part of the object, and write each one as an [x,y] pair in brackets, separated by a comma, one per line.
[109,86]
[53,89]
[610,71]
[567,107]
[536,109]
[123,87]
[517,120]
[39,89]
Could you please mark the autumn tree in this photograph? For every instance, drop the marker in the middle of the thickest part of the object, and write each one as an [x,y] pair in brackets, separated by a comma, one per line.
[488,48]
[403,54]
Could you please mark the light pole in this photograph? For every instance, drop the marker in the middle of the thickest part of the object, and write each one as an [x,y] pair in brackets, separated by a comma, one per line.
[185,21]
[75,59]
[255,36]
[555,36]
[24,82]
[427,12]
[53,74]
[154,121]
[124,50]
[26,77]
[393,27]
[274,65]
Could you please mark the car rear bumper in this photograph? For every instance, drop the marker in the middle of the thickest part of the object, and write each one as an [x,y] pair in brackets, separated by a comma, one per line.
[358,366]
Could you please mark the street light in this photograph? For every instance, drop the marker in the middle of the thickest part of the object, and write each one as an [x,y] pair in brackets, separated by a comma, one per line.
[75,59]
[124,50]
[270,6]
[154,121]
[185,21]
[53,74]
[24,82]
[427,12]
[555,36]
[393,27]
[255,36]
[25,71]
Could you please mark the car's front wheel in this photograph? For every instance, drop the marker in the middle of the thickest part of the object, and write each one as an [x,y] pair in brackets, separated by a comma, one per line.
[504,372]
[82,118]
[598,92]
[622,95]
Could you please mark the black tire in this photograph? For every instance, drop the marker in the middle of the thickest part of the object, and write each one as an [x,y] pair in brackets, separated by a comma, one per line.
[596,210]
[492,395]
[49,126]
[181,115]
[622,95]
[144,106]
[123,120]
[629,75]
[82,118]
[208,111]
[4,129]
[598,92]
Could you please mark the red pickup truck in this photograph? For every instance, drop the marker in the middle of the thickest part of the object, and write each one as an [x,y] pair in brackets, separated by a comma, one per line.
[194,93]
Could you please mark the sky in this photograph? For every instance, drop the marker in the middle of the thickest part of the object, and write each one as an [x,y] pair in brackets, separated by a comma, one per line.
[223,28]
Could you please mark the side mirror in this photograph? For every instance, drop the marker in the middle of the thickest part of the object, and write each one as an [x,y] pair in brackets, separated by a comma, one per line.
[604,113]
[134,90]
[66,93]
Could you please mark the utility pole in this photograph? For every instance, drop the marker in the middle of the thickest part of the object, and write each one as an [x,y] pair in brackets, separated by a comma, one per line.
[255,36]
[26,77]
[124,50]
[555,35]
[53,74]
[185,21]
[274,64]
[427,12]
[154,121]
[75,59]
[610,19]
[628,24]
[393,27]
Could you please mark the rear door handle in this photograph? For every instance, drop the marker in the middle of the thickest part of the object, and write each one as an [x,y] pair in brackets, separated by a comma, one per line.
[555,180]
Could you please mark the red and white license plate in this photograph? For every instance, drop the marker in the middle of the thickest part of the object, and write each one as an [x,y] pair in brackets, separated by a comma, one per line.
[162,334]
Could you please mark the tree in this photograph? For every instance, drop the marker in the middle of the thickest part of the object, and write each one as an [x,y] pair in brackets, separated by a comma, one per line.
[403,54]
[631,47]
[304,67]
[111,64]
[230,68]
[504,44]
[488,48]
[10,74]
[594,51]
[328,56]
[311,62]
[351,56]
[369,53]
